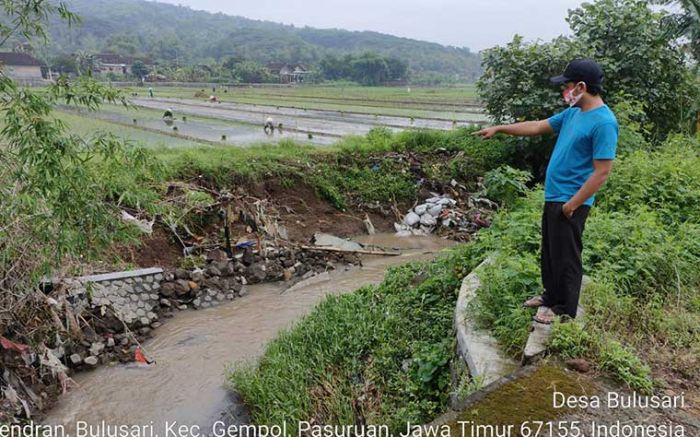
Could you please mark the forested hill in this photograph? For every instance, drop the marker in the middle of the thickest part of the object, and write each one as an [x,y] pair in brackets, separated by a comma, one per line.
[174,33]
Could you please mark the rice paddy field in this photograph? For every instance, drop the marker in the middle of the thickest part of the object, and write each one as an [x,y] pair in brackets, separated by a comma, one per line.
[318,115]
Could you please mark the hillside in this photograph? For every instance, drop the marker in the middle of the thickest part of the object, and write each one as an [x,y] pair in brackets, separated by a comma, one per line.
[179,34]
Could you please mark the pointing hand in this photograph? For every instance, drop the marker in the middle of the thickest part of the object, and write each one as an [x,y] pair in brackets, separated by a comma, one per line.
[487,132]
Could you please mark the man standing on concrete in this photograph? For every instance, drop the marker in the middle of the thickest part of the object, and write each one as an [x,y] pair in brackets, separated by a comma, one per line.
[580,163]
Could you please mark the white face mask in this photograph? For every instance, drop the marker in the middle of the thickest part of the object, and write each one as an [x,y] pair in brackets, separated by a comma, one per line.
[570,98]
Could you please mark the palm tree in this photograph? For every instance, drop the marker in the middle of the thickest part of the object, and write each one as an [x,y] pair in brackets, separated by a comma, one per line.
[687,23]
[85,62]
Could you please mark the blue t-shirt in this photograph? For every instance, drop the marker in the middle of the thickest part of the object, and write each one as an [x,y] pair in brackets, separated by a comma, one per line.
[583,137]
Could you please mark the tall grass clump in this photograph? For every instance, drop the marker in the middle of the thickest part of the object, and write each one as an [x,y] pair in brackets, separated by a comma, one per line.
[378,355]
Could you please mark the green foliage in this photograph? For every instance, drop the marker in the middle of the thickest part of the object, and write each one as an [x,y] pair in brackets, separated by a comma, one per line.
[430,362]
[511,280]
[56,188]
[640,59]
[368,68]
[505,184]
[382,349]
[179,35]
[686,23]
[382,181]
[22,19]
[667,178]
[139,69]
[644,257]
[251,72]
[634,129]
[571,340]
[514,85]
[624,364]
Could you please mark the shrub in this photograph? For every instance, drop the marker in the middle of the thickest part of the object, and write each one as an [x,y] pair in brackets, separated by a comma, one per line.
[667,179]
[632,43]
[505,184]
[626,365]
[570,340]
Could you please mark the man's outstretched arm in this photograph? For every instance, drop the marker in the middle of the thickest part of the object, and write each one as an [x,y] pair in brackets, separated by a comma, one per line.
[522,129]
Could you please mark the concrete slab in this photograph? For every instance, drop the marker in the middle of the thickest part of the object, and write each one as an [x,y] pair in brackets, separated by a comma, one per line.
[120,275]
[479,349]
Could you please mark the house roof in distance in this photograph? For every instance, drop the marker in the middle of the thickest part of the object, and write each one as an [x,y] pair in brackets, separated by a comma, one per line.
[112,58]
[23,59]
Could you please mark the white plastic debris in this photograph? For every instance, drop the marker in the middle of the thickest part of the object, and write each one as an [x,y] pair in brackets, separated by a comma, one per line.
[435,210]
[144,225]
[446,201]
[428,220]
[411,219]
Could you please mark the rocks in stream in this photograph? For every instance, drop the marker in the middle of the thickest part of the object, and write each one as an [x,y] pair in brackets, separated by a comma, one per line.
[224,279]
[124,308]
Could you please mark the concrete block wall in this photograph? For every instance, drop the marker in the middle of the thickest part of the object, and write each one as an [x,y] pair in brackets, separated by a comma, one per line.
[132,295]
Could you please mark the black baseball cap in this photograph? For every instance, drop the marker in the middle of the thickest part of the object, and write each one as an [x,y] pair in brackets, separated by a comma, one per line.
[581,70]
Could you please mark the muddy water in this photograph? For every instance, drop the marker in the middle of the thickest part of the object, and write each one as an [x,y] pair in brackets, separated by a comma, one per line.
[193,349]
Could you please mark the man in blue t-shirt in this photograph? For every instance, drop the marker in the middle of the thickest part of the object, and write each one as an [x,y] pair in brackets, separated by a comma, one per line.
[580,163]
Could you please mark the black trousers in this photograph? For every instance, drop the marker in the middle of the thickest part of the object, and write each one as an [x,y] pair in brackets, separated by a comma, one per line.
[561,264]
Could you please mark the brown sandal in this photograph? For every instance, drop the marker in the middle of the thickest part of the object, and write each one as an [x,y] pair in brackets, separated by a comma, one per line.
[534,302]
[544,315]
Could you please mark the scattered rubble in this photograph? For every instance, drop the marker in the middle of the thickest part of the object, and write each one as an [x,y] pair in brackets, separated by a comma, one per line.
[442,213]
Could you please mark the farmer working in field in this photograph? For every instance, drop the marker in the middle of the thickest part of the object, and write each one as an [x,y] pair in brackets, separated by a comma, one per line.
[580,163]
[269,126]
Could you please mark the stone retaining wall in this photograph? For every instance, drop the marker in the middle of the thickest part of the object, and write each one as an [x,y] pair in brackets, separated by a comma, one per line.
[132,295]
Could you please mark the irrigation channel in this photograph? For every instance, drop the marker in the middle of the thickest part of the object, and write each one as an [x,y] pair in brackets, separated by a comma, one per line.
[193,349]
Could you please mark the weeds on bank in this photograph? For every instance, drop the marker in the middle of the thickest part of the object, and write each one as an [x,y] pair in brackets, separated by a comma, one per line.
[642,249]
[379,355]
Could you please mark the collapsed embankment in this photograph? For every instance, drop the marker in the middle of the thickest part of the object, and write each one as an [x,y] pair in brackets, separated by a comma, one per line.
[264,203]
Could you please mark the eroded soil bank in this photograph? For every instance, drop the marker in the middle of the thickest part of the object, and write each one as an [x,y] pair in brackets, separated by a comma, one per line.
[193,348]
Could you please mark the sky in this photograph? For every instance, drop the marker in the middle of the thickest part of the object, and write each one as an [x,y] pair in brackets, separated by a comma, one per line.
[476,24]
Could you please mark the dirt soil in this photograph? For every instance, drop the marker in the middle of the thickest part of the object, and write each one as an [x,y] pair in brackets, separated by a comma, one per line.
[302,212]
[156,250]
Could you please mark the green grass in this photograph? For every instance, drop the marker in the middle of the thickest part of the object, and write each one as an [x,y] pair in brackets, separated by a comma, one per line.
[352,169]
[378,355]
